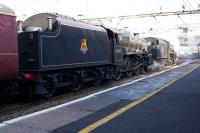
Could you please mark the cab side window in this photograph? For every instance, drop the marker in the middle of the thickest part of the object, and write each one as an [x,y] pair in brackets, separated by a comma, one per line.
[116,39]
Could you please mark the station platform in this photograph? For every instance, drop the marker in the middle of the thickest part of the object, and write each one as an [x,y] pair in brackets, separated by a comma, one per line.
[167,102]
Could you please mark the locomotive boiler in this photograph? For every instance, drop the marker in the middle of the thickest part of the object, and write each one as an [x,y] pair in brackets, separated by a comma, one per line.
[134,44]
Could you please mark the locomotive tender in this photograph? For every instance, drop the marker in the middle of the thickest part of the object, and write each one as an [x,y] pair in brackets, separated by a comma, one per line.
[56,51]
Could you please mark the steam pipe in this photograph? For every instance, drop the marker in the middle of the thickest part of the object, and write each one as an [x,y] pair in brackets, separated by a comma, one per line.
[50,23]
[19,26]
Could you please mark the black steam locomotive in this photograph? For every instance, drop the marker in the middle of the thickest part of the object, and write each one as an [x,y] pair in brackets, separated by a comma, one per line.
[57,51]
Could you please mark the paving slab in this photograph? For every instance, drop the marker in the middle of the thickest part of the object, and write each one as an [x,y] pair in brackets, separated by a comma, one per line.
[51,120]
[20,129]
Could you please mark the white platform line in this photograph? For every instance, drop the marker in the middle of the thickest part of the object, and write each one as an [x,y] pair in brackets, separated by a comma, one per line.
[1,124]
[84,98]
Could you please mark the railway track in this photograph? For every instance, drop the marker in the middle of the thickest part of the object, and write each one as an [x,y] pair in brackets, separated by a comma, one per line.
[15,109]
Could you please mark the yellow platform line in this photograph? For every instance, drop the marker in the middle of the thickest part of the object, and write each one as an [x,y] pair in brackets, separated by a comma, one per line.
[127,107]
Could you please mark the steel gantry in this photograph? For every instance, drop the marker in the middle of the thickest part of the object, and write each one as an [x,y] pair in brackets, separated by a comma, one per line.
[184,12]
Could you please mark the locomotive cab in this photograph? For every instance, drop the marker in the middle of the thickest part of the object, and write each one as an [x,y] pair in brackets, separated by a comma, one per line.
[118,49]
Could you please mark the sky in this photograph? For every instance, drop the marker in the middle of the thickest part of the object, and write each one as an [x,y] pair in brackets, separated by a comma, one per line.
[164,27]
[96,8]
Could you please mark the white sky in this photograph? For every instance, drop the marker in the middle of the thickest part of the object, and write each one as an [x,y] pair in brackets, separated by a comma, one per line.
[96,8]
[165,27]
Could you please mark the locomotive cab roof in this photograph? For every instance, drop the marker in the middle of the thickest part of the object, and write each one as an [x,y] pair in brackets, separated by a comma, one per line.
[4,10]
[40,20]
